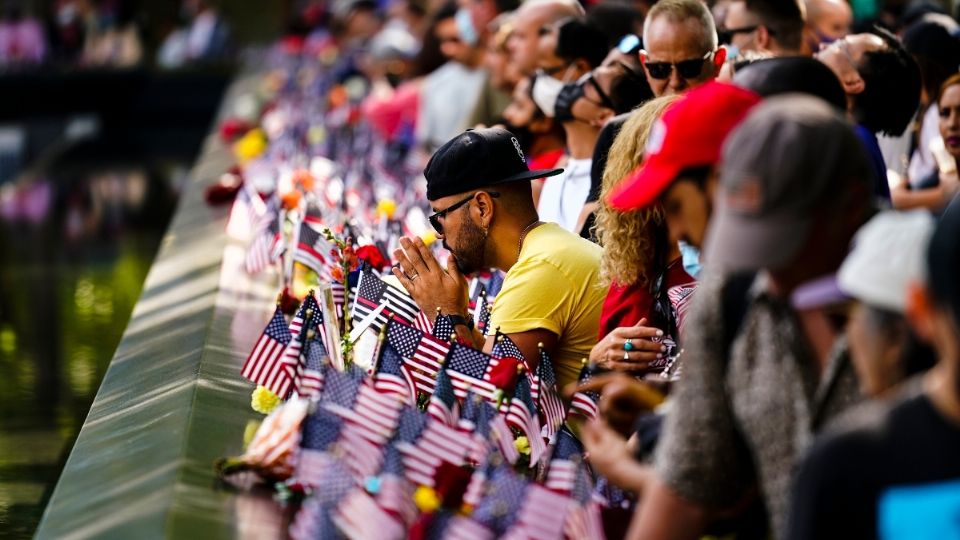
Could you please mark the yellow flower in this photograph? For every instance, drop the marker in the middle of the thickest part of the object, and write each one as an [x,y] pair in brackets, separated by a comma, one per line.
[426,499]
[522,444]
[250,145]
[263,400]
[386,208]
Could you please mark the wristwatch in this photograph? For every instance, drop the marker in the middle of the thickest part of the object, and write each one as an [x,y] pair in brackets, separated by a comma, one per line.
[457,320]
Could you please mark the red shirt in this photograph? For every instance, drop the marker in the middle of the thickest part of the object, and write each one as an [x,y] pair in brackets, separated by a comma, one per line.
[626,305]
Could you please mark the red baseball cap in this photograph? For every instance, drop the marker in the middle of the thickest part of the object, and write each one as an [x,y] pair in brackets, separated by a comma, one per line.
[689,134]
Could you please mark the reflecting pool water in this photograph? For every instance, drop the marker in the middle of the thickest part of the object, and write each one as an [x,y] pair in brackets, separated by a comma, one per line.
[75,248]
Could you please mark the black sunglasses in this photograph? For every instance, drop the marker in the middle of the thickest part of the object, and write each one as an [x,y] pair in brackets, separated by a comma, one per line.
[435,217]
[726,35]
[687,69]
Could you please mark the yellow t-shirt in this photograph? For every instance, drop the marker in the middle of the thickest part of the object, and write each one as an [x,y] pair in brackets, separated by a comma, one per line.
[555,285]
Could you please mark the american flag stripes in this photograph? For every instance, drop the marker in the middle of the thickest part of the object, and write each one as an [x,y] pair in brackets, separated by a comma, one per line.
[267,244]
[358,516]
[422,322]
[522,415]
[443,405]
[464,528]
[466,367]
[362,456]
[583,520]
[392,377]
[373,291]
[372,414]
[320,430]
[423,354]
[309,381]
[302,326]
[263,366]
[541,516]
[549,402]
[312,251]
[437,443]
[396,492]
[585,403]
[565,463]
[487,427]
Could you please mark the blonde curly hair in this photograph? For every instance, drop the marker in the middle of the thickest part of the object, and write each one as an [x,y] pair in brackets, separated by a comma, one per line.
[629,239]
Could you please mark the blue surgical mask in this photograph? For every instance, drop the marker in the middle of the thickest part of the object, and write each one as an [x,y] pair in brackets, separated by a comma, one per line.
[691,259]
[465,27]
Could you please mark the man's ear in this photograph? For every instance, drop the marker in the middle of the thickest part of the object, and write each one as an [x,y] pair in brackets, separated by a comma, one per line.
[854,86]
[719,57]
[484,209]
[601,119]
[763,38]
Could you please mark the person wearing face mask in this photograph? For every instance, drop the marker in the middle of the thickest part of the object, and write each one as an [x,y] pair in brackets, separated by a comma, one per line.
[540,137]
[578,49]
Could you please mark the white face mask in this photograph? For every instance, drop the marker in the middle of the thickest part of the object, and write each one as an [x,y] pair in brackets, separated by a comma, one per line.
[545,92]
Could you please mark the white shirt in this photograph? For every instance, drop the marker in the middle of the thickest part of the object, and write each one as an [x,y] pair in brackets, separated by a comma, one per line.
[564,195]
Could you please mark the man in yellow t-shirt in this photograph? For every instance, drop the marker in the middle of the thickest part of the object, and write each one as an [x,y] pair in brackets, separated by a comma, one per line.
[478,184]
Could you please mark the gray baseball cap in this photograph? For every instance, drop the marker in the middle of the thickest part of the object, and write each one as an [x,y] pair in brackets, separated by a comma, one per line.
[791,156]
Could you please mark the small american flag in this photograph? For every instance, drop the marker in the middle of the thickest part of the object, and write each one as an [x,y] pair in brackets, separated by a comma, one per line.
[550,404]
[450,526]
[488,428]
[359,516]
[523,416]
[505,358]
[565,463]
[312,251]
[309,381]
[362,457]
[373,291]
[443,405]
[542,514]
[396,492]
[314,521]
[393,377]
[305,319]
[505,490]
[370,413]
[466,367]
[585,403]
[422,322]
[584,519]
[442,328]
[422,353]
[267,244]
[263,366]
[437,443]
[320,430]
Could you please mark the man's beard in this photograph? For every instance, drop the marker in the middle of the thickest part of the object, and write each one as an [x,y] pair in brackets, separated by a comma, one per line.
[468,253]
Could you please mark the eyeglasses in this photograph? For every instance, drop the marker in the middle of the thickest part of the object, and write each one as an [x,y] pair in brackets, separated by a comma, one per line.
[435,217]
[726,36]
[629,44]
[605,100]
[687,69]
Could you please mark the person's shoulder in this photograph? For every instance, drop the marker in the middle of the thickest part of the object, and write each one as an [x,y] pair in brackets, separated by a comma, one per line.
[552,240]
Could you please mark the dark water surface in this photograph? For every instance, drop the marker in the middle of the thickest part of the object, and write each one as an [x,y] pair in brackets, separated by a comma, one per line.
[75,248]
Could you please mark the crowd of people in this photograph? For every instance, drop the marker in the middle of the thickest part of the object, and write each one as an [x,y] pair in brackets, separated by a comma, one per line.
[743,204]
[109,34]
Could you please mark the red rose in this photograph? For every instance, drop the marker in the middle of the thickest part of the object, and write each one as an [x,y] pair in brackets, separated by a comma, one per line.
[371,255]
[233,128]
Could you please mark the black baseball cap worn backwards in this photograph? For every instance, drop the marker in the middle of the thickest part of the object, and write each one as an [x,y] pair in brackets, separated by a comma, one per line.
[478,158]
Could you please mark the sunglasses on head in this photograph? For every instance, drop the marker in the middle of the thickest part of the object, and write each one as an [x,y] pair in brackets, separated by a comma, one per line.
[687,69]
[436,216]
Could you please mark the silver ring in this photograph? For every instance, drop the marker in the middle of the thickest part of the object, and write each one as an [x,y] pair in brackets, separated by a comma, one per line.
[413,277]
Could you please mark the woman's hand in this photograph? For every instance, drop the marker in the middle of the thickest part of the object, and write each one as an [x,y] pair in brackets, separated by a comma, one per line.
[613,353]
[430,285]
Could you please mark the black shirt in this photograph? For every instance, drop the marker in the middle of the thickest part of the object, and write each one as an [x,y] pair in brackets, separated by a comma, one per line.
[894,474]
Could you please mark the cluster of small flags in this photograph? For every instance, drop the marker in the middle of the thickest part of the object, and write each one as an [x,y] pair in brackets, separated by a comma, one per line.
[481,432]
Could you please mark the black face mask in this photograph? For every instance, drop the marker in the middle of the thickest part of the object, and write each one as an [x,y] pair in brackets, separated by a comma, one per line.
[569,94]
